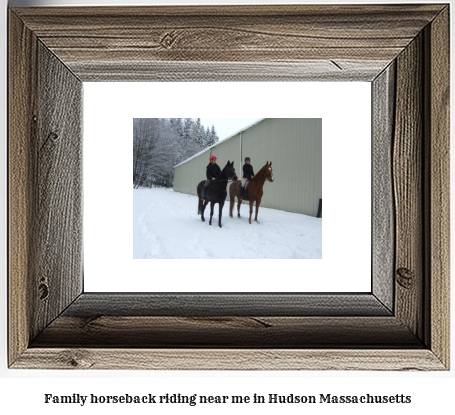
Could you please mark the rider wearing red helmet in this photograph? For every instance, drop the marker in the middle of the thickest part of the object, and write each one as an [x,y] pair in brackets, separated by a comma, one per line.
[212,172]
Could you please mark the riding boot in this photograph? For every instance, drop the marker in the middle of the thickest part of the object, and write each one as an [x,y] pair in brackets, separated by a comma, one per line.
[204,192]
[241,192]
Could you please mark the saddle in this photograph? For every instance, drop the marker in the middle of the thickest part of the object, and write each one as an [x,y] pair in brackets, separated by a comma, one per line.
[246,185]
[244,195]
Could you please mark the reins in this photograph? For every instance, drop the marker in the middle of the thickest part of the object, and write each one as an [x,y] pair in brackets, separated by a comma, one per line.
[224,180]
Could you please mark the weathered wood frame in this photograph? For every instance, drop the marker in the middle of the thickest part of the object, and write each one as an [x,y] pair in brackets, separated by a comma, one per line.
[403,50]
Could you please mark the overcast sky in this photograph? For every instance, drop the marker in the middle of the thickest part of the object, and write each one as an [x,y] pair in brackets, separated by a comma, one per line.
[225,127]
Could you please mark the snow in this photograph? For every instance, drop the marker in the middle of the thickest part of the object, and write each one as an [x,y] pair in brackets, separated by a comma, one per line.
[166,226]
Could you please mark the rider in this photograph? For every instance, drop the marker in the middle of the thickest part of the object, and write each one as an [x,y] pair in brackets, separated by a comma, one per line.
[213,171]
[248,173]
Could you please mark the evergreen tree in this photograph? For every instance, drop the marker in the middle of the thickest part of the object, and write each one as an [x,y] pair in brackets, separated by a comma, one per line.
[187,129]
[199,132]
[214,135]
[207,140]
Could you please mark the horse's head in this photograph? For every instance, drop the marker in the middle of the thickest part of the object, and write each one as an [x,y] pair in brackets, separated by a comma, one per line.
[230,171]
[268,171]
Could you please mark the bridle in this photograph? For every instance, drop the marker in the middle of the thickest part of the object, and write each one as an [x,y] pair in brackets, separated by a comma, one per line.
[269,176]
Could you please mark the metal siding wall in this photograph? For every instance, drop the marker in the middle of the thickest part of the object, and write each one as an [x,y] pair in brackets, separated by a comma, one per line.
[199,169]
[293,145]
[295,148]
[177,180]
[189,174]
[228,150]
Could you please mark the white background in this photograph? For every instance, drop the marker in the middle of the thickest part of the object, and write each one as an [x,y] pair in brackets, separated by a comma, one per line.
[109,109]
[22,391]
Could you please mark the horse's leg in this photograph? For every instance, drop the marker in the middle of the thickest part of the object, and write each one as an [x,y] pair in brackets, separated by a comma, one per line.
[203,210]
[238,207]
[258,202]
[251,209]
[219,216]
[212,204]
[231,206]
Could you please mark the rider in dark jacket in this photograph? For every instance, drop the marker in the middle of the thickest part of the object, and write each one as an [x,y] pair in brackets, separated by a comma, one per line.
[248,173]
[212,172]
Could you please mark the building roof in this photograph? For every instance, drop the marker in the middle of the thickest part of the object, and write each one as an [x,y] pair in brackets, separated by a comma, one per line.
[222,141]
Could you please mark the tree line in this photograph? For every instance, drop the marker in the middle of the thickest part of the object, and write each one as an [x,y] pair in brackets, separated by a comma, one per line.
[159,144]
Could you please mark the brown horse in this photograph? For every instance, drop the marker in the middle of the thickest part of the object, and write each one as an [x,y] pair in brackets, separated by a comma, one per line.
[254,191]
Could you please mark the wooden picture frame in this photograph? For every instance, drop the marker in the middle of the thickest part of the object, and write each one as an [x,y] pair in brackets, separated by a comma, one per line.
[403,324]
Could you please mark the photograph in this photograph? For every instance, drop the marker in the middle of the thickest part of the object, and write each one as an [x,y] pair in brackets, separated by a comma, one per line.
[162,223]
[253,194]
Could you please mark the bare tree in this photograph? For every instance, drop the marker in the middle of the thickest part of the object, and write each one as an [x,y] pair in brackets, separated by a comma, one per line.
[161,143]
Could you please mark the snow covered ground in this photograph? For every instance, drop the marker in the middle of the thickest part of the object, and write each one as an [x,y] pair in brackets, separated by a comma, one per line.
[166,225]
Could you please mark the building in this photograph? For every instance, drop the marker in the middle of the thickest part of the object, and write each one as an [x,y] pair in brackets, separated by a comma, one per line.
[293,145]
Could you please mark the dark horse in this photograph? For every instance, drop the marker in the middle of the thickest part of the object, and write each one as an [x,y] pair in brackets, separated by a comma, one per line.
[216,193]
[254,191]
